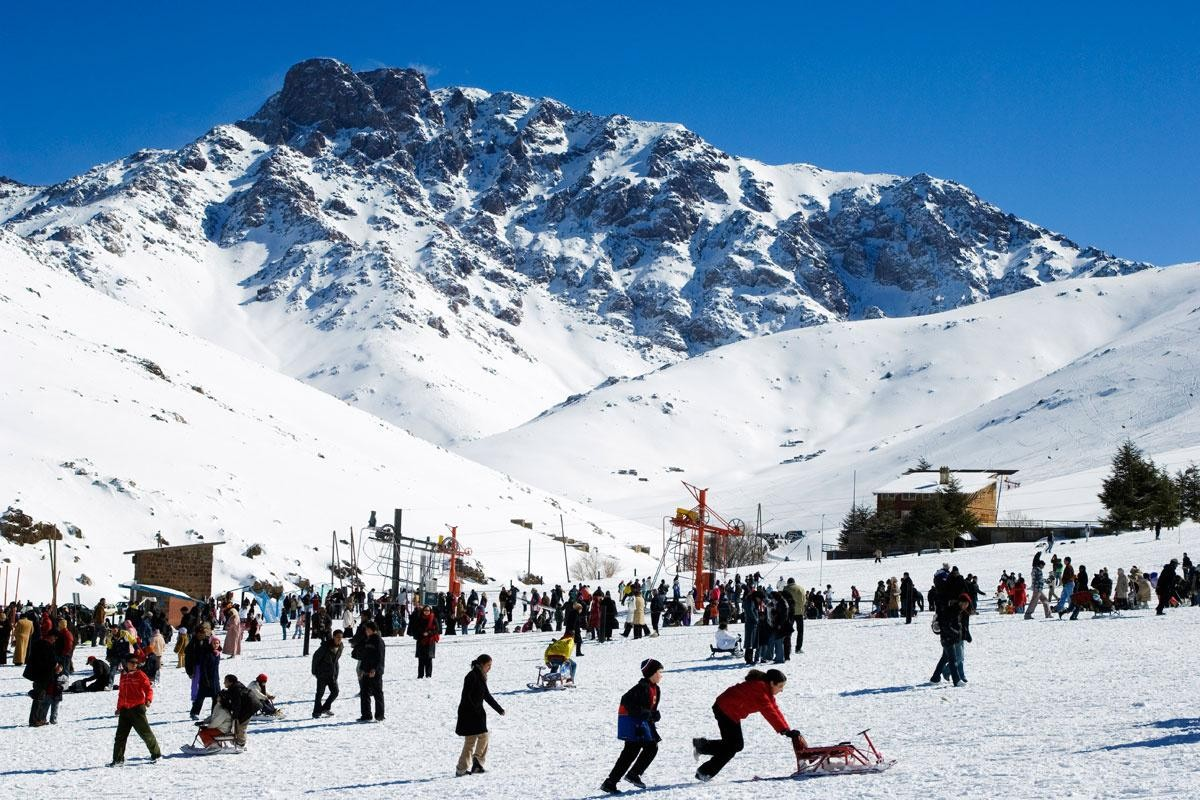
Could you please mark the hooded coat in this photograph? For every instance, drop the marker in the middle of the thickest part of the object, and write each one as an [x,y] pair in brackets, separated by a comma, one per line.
[472,718]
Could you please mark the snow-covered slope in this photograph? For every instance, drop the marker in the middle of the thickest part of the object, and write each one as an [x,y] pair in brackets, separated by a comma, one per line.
[456,261]
[121,425]
[1047,382]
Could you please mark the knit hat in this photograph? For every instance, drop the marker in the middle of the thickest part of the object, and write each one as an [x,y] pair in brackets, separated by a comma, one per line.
[650,666]
[262,678]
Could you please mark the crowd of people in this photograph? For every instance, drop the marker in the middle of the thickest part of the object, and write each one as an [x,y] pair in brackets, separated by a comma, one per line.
[43,641]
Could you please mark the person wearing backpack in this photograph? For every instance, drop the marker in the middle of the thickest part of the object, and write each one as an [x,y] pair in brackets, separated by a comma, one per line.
[636,726]
[325,663]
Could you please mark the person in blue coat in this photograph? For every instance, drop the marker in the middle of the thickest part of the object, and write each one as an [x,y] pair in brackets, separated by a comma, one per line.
[636,718]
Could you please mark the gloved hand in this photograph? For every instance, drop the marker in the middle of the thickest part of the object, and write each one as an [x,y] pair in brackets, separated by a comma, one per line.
[655,715]
[792,734]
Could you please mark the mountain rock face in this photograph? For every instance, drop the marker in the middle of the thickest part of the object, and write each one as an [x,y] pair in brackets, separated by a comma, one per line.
[431,224]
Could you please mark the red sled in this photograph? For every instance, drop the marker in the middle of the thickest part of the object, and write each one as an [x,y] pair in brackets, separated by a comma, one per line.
[843,758]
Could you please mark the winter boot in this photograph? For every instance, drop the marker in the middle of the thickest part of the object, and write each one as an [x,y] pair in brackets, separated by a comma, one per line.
[609,787]
[636,780]
[477,768]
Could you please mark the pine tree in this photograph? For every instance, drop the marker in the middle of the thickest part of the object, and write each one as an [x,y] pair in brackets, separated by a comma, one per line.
[1188,485]
[957,506]
[923,465]
[1127,491]
[1163,507]
[855,522]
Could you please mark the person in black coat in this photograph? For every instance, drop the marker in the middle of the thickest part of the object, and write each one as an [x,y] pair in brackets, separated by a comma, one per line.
[39,670]
[472,718]
[1166,585]
[325,666]
[99,679]
[636,726]
[953,621]
[373,653]
[573,621]
[908,598]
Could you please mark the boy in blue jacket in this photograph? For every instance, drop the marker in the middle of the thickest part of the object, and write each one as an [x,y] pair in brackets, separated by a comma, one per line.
[636,720]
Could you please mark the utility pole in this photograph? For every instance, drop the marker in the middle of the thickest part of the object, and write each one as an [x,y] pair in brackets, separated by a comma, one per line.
[398,520]
[562,528]
[854,491]
[821,554]
[53,544]
[529,559]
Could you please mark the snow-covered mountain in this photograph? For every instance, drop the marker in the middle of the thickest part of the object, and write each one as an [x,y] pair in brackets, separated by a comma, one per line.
[456,261]
[114,425]
[1048,382]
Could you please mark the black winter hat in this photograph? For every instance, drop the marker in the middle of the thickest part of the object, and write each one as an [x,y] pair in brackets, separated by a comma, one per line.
[650,666]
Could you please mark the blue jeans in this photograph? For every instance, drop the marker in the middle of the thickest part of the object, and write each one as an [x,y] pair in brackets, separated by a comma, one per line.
[949,662]
[957,661]
[1067,590]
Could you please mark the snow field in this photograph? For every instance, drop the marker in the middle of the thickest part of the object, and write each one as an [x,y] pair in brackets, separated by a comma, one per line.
[1094,708]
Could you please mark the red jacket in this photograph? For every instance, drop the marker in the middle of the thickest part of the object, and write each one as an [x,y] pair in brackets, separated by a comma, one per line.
[136,690]
[749,697]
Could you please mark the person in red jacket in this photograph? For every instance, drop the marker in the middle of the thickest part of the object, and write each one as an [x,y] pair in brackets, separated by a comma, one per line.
[756,694]
[134,698]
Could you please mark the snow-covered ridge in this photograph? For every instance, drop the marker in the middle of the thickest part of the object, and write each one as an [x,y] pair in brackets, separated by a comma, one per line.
[482,255]
[1048,382]
[122,426]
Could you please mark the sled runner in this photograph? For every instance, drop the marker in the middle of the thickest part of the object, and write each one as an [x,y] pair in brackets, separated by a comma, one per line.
[223,744]
[843,758]
[552,677]
[735,651]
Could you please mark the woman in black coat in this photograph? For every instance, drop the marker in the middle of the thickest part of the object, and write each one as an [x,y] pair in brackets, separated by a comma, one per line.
[472,719]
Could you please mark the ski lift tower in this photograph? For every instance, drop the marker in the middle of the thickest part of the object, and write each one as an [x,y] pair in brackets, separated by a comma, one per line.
[415,564]
[449,545]
[695,540]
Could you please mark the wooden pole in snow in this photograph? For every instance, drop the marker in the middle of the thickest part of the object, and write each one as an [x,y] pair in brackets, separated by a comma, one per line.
[562,528]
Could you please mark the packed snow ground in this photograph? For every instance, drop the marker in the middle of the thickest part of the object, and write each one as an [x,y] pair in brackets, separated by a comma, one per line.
[1092,708]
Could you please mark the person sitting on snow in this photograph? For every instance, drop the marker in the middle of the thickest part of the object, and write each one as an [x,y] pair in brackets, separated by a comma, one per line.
[99,680]
[264,699]
[558,655]
[724,641]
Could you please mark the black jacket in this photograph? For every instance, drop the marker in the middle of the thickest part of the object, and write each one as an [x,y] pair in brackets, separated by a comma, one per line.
[373,653]
[39,663]
[326,661]
[238,702]
[472,719]
[1166,581]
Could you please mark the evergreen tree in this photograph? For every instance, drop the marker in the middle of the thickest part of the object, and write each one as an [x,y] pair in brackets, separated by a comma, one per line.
[1127,491]
[957,506]
[923,465]
[1163,506]
[855,522]
[1188,485]
[883,529]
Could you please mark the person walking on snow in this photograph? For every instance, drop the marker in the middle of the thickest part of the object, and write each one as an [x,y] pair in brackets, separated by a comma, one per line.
[636,726]
[472,718]
[135,696]
[756,694]
[1037,583]
[325,663]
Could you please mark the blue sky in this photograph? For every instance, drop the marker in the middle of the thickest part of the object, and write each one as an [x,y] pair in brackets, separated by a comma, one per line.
[1084,117]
